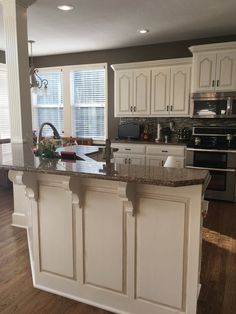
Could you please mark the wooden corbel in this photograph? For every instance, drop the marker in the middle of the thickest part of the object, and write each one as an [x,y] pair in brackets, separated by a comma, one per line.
[126,192]
[28,179]
[77,190]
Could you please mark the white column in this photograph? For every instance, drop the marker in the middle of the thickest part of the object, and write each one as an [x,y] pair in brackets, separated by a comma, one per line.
[17,59]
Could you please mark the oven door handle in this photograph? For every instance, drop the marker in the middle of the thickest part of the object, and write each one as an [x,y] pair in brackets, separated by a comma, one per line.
[211,169]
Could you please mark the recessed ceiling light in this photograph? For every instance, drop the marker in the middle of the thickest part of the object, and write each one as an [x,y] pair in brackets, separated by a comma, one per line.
[144,31]
[65,7]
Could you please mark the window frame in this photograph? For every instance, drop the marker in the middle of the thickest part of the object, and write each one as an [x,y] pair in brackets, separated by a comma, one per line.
[67,96]
[3,68]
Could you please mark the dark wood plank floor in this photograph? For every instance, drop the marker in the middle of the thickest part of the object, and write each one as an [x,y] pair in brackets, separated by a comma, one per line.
[218,277]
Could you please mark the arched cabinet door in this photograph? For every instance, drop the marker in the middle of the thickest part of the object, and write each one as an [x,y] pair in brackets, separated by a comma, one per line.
[226,71]
[180,90]
[160,91]
[205,72]
[142,92]
[123,93]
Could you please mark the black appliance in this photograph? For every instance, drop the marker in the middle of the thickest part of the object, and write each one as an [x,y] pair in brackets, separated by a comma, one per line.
[129,130]
[214,149]
[213,105]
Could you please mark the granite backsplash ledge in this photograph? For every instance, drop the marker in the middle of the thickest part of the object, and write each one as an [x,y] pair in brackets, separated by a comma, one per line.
[179,123]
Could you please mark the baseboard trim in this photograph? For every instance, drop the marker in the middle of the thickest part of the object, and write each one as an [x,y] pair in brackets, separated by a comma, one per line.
[19,220]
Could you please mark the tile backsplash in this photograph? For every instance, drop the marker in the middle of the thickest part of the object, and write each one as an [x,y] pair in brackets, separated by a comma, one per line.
[178,123]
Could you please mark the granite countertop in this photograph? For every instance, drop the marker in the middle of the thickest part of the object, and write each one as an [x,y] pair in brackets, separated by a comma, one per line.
[118,141]
[20,157]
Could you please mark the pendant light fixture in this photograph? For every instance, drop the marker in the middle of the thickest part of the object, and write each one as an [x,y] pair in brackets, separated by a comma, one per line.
[36,82]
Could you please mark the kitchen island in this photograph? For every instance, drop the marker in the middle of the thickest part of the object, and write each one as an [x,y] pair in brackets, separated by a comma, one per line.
[124,238]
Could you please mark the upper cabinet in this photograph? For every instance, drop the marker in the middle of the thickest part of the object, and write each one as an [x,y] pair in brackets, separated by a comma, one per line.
[132,92]
[153,88]
[214,67]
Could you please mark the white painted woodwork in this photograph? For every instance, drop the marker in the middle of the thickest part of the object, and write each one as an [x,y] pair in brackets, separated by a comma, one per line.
[226,71]
[160,100]
[153,86]
[103,220]
[155,161]
[124,247]
[142,90]
[214,67]
[21,204]
[205,72]
[123,93]
[56,231]
[160,222]
[17,59]
[180,90]
[150,154]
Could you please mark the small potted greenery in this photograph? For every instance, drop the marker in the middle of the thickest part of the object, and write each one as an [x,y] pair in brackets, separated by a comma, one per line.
[47,148]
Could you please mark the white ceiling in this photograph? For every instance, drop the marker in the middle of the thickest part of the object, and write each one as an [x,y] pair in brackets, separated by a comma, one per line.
[106,24]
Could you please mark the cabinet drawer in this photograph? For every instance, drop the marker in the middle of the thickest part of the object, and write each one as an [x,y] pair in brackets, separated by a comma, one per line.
[130,148]
[168,150]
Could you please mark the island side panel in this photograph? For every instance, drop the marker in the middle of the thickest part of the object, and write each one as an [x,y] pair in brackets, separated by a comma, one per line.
[142,263]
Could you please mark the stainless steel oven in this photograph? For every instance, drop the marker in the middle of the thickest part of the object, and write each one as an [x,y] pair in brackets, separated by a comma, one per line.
[221,165]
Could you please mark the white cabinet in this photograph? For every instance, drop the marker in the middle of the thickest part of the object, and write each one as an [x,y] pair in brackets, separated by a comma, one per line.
[132,92]
[162,88]
[171,91]
[149,155]
[214,67]
[160,91]
[130,159]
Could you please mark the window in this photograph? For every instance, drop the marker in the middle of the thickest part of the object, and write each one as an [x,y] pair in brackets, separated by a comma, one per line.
[48,106]
[4,108]
[76,101]
[88,102]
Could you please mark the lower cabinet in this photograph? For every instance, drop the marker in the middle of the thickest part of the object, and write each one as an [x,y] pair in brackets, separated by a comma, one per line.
[129,159]
[153,155]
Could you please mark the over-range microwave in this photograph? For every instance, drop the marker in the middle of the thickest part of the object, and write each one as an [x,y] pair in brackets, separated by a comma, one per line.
[213,105]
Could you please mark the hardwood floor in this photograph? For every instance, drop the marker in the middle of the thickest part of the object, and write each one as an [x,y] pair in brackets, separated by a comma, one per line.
[218,277]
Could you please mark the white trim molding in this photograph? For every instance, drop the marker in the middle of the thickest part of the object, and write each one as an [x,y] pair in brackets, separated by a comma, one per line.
[213,47]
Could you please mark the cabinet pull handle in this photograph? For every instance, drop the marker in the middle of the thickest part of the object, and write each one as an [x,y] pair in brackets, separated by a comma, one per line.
[218,83]
[171,108]
[134,108]
[164,151]
[162,163]
[129,161]
[125,160]
[213,83]
[167,107]
[131,108]
[127,148]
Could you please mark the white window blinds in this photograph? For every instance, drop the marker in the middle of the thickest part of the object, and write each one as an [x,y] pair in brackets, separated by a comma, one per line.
[88,102]
[48,107]
[4,108]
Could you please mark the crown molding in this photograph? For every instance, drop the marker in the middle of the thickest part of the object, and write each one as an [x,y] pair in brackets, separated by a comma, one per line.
[213,47]
[151,64]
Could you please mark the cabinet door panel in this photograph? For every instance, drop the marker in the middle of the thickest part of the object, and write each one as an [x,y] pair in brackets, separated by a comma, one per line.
[136,160]
[120,158]
[205,72]
[180,90]
[160,91]
[155,161]
[142,90]
[123,93]
[158,222]
[226,71]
